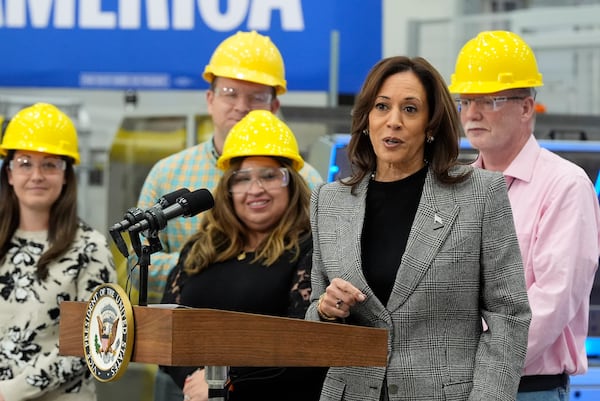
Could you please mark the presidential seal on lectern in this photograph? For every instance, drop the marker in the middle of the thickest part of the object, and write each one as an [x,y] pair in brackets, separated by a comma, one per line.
[108,332]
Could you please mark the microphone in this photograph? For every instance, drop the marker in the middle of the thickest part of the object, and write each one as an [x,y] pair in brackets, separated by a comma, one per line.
[135,214]
[170,198]
[132,216]
[188,205]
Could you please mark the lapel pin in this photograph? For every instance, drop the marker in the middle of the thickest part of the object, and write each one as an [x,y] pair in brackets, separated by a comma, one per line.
[438,222]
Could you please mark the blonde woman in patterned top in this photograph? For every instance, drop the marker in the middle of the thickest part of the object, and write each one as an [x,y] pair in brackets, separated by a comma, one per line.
[47,255]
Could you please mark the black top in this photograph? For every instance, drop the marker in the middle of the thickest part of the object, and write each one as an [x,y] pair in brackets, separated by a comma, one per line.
[282,289]
[390,210]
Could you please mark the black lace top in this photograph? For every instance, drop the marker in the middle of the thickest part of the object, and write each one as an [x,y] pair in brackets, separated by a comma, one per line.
[282,289]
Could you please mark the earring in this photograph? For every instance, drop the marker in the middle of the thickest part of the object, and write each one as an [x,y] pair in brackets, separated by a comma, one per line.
[365,131]
[430,139]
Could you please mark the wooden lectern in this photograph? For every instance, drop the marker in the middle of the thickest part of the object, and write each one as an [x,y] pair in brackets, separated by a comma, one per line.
[199,337]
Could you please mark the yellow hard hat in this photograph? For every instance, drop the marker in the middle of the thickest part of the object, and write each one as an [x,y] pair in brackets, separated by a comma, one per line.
[41,128]
[260,133]
[248,56]
[494,61]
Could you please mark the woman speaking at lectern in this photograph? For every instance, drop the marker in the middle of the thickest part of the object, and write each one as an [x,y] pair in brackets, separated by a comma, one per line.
[420,245]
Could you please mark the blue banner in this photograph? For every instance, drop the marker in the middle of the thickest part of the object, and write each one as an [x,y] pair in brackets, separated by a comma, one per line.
[165,44]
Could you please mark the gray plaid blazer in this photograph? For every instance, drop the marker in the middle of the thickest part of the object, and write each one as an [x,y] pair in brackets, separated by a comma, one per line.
[462,263]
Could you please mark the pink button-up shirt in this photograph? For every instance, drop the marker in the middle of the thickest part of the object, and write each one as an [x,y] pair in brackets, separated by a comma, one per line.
[557,219]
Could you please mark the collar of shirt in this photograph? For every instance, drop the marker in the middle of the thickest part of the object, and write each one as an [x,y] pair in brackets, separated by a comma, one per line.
[521,168]
[213,149]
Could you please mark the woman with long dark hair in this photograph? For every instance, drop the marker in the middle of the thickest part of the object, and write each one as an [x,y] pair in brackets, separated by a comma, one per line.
[47,255]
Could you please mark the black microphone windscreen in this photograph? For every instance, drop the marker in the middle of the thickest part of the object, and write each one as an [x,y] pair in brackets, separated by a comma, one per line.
[170,198]
[197,201]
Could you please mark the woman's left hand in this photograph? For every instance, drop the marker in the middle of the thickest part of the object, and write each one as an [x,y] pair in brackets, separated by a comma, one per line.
[195,387]
[339,296]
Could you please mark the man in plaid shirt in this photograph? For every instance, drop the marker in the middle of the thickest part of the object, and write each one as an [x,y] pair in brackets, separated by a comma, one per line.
[246,72]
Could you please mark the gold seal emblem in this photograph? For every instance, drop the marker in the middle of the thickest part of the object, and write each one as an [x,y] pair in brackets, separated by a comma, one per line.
[108,331]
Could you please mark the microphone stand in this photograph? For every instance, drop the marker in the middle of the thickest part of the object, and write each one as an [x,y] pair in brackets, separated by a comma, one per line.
[153,246]
[216,377]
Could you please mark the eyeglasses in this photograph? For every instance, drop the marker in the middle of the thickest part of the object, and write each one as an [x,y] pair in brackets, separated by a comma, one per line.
[486,103]
[267,178]
[48,166]
[255,100]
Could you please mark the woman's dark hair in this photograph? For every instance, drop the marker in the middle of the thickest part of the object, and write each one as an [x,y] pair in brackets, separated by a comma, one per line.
[444,122]
[62,225]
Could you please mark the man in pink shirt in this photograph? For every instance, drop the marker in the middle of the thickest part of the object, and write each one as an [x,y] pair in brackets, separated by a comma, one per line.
[555,207]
